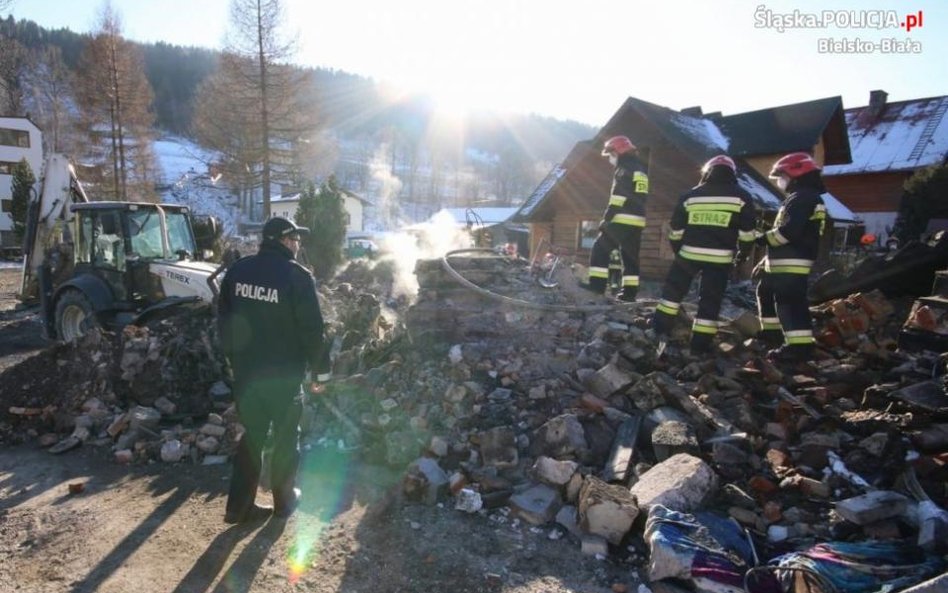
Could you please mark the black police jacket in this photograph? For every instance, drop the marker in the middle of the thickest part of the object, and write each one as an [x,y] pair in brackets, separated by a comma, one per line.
[269,317]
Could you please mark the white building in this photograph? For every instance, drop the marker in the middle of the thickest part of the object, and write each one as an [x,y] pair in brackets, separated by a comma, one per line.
[286,206]
[19,139]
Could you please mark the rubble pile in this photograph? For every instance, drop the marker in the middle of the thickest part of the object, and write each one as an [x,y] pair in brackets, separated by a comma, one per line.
[696,471]
[158,391]
[568,421]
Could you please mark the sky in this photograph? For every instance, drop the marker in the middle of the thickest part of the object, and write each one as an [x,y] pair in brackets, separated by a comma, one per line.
[580,60]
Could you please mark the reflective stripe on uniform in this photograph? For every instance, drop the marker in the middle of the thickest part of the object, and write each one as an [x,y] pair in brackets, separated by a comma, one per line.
[668,307]
[629,219]
[746,236]
[801,336]
[788,266]
[630,281]
[640,180]
[819,214]
[676,234]
[775,239]
[704,254]
[770,323]
[721,203]
[597,272]
[704,326]
[615,200]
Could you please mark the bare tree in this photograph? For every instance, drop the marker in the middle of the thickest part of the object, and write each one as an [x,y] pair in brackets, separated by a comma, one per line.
[256,63]
[12,57]
[50,99]
[115,98]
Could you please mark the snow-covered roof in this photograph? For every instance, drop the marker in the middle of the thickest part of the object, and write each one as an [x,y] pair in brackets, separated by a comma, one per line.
[479,216]
[763,194]
[906,135]
[837,210]
[285,199]
[703,131]
[540,192]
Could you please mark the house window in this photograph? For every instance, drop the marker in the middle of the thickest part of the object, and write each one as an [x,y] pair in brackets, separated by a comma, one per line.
[6,168]
[6,205]
[19,138]
[588,231]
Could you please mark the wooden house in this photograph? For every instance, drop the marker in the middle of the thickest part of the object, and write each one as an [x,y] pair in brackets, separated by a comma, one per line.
[890,142]
[565,209]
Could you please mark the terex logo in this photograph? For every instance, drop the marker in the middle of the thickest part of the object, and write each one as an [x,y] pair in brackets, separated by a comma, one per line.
[177,276]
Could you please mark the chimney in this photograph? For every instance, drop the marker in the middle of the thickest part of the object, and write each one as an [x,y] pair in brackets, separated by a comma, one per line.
[877,102]
[692,111]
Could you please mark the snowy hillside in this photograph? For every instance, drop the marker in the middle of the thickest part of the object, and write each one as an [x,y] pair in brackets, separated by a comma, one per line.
[184,179]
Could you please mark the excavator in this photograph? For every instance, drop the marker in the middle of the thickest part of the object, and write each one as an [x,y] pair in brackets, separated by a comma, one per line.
[93,263]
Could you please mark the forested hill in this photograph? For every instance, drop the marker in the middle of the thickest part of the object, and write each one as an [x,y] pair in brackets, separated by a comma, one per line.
[351,105]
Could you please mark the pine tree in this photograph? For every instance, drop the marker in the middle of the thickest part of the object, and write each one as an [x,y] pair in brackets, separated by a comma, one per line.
[922,200]
[22,186]
[323,212]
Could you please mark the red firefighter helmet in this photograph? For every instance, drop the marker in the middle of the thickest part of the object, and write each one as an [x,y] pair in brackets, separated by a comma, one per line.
[719,161]
[617,145]
[794,165]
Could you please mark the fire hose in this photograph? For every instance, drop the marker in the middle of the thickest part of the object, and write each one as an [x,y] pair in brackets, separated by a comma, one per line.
[519,302]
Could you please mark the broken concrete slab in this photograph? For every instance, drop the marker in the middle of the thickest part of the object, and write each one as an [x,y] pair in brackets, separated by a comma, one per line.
[606,510]
[560,437]
[536,505]
[623,450]
[681,483]
[671,438]
[498,447]
[554,472]
[610,379]
[872,507]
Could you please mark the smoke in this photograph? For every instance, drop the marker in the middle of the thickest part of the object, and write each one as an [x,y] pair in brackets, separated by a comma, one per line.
[427,240]
[389,188]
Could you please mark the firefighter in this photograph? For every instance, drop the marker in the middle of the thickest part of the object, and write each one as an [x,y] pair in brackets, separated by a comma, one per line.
[623,221]
[712,228]
[792,247]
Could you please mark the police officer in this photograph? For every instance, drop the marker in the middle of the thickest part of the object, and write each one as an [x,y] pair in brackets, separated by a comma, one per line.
[712,223]
[792,248]
[622,222]
[271,330]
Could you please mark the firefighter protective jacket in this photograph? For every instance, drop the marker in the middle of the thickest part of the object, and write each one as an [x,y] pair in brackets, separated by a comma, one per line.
[711,220]
[269,316]
[629,192]
[794,242]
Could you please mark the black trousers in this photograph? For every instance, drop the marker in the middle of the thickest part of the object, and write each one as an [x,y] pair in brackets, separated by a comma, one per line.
[262,405]
[713,281]
[627,239]
[783,297]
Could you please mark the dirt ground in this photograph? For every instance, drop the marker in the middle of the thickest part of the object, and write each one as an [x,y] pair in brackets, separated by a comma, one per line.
[159,528]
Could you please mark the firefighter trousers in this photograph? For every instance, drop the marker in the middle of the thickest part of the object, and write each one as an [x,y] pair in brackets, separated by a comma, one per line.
[785,312]
[711,287]
[266,407]
[626,238]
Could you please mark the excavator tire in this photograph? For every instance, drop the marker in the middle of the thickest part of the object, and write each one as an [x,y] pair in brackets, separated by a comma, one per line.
[74,315]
